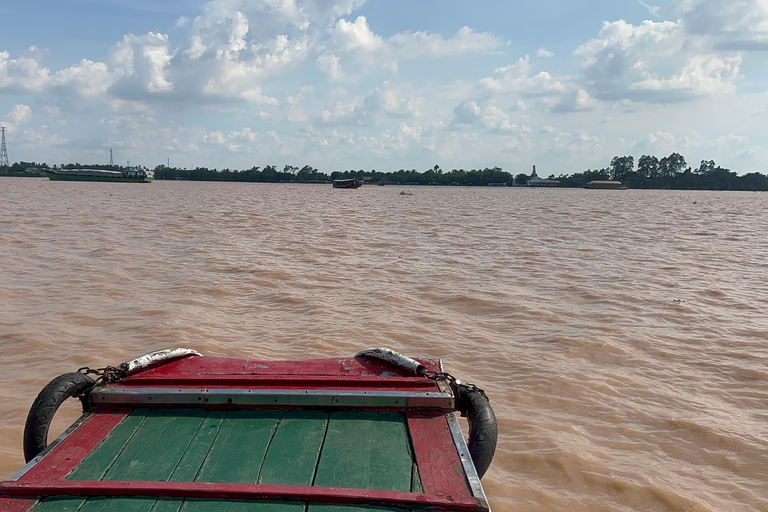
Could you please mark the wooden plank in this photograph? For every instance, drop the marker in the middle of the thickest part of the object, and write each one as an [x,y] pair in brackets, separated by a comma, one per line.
[438,461]
[168,505]
[112,504]
[195,366]
[60,504]
[198,449]
[193,505]
[98,462]
[221,491]
[350,508]
[70,452]
[158,445]
[211,366]
[238,451]
[193,458]
[295,448]
[366,450]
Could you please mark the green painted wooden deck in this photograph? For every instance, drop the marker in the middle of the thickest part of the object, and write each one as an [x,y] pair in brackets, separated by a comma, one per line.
[360,450]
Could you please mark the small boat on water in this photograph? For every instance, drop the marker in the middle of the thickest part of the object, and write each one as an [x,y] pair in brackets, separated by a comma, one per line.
[133,175]
[348,183]
[176,431]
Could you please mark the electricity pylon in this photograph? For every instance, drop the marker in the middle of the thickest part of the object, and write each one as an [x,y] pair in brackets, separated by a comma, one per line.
[4,152]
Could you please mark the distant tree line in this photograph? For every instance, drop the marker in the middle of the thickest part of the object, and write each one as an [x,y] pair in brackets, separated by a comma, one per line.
[308,174]
[669,172]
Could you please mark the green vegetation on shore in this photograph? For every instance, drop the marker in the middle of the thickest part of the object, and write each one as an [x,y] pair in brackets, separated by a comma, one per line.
[670,172]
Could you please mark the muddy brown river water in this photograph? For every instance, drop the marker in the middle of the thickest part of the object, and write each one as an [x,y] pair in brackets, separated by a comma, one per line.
[621,335]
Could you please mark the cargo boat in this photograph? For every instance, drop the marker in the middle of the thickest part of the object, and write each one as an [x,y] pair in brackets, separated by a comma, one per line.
[349,183]
[176,431]
[605,185]
[134,175]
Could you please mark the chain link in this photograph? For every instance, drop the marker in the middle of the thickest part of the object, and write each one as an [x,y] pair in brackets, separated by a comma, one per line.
[107,375]
[453,381]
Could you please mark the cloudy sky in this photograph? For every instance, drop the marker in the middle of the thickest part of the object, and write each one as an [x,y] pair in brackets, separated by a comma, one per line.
[385,84]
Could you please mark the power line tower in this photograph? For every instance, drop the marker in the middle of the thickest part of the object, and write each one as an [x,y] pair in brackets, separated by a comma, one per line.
[4,152]
[111,163]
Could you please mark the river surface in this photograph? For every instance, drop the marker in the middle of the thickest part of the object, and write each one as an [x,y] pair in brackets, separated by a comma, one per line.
[622,336]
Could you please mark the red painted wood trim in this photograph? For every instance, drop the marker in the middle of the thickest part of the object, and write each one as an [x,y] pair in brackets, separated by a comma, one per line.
[280,382]
[72,450]
[17,504]
[348,367]
[440,467]
[328,495]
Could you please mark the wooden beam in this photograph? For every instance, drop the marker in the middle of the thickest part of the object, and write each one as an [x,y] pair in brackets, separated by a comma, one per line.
[210,491]
[68,454]
[439,463]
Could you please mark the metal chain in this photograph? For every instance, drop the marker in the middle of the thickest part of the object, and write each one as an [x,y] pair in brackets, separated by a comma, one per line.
[453,381]
[107,375]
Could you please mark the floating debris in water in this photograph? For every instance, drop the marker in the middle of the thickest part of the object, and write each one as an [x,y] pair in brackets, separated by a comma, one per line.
[189,216]
[678,301]
[404,193]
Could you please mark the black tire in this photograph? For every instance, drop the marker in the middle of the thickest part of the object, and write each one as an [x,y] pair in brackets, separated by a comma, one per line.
[45,406]
[483,431]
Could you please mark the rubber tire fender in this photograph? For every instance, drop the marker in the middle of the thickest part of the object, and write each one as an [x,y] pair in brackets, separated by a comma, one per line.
[45,406]
[483,431]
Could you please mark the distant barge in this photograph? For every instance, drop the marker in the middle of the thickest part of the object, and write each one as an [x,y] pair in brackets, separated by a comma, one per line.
[135,175]
[605,185]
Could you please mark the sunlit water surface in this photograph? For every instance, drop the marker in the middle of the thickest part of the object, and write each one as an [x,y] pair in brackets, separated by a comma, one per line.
[621,335]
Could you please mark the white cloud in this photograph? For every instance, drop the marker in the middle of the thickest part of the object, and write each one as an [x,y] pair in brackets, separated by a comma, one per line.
[87,79]
[574,101]
[652,9]
[21,74]
[235,141]
[467,112]
[53,112]
[392,101]
[730,24]
[385,101]
[544,53]
[466,41]
[20,114]
[141,62]
[496,119]
[330,64]
[515,79]
[356,36]
[215,138]
[655,62]
[356,42]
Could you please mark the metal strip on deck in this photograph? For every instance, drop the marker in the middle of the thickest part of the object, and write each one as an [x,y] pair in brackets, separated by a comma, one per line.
[466,459]
[274,398]
[280,381]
